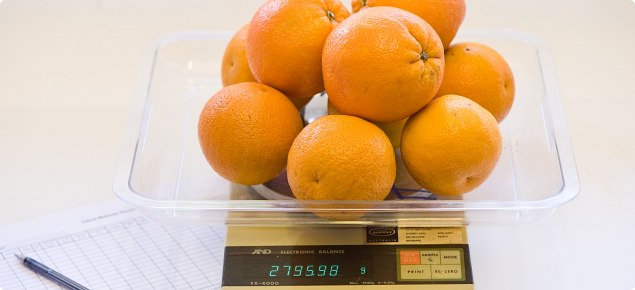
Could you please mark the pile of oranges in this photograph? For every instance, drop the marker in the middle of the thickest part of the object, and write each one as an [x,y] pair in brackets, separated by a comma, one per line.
[393,82]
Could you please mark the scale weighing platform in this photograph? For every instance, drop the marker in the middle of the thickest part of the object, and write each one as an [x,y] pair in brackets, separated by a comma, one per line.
[347,258]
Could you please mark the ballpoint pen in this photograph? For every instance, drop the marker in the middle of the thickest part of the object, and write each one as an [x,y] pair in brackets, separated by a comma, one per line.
[50,273]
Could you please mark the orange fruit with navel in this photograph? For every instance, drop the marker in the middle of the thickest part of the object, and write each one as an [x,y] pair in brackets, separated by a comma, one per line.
[445,16]
[341,158]
[382,64]
[245,131]
[451,146]
[479,73]
[285,41]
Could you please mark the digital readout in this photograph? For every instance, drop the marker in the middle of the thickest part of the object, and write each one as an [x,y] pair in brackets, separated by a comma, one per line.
[350,265]
[308,266]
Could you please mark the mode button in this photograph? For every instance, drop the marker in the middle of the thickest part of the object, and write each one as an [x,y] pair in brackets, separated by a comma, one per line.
[451,257]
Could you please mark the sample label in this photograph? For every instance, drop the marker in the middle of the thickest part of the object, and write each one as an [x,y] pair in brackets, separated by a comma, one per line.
[430,257]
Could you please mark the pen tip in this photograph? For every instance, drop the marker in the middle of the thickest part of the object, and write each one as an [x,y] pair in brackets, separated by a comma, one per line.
[20,257]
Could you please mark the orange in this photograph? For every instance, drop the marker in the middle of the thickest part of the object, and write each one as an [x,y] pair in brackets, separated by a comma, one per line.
[451,146]
[392,129]
[341,158]
[285,41]
[235,68]
[245,131]
[445,16]
[382,64]
[478,72]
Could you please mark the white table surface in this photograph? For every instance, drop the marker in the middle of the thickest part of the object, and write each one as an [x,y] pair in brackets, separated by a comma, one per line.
[67,70]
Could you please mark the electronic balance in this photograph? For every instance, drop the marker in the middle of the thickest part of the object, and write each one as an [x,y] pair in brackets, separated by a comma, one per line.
[347,258]
[342,257]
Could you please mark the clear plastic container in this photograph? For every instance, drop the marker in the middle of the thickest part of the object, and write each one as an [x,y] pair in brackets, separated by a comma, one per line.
[161,169]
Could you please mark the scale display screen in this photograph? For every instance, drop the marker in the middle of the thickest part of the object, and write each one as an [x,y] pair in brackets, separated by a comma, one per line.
[346,265]
[306,266]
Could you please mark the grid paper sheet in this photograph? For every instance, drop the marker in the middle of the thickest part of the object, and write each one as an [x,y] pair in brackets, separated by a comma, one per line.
[114,249]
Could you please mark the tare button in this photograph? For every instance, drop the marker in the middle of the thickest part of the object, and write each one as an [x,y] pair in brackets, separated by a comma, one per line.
[451,257]
[446,272]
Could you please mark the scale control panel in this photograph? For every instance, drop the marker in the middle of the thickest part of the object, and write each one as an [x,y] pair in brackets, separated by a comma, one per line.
[249,266]
[432,264]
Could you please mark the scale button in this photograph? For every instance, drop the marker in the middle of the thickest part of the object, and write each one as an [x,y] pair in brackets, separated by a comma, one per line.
[409,257]
[416,272]
[451,257]
[446,272]
[430,257]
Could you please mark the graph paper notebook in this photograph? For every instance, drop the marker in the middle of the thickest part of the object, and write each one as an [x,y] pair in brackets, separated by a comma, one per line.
[109,245]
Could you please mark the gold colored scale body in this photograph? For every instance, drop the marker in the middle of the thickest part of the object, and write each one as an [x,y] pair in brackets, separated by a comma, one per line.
[346,258]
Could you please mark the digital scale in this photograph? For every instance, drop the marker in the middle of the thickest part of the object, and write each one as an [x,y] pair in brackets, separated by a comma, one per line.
[347,258]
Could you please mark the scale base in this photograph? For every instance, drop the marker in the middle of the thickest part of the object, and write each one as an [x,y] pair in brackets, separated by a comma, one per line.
[347,258]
